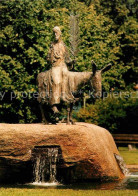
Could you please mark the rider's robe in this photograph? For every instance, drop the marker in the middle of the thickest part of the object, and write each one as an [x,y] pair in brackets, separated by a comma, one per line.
[54,85]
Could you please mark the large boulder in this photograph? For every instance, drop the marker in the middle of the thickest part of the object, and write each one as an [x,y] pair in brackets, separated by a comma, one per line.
[87,151]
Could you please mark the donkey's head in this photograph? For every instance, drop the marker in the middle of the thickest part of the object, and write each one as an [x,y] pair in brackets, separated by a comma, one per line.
[96,81]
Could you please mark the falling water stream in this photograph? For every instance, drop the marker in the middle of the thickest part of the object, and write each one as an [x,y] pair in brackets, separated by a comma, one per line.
[45,166]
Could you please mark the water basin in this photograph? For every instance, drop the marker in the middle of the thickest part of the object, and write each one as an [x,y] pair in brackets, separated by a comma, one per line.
[129,183]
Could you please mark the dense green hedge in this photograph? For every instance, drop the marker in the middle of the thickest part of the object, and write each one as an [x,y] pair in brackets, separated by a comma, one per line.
[118,112]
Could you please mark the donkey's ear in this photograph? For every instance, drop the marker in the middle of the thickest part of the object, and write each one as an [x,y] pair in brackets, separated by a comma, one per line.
[94,67]
[106,68]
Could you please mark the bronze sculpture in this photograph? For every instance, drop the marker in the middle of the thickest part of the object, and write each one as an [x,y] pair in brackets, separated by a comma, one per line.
[58,84]
[58,76]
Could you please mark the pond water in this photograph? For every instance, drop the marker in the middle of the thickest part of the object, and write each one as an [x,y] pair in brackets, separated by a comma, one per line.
[129,183]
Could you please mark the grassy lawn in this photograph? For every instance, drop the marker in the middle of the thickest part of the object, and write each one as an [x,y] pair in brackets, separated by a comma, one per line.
[130,157]
[67,192]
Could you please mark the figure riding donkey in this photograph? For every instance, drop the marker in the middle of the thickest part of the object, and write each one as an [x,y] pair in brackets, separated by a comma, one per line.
[59,84]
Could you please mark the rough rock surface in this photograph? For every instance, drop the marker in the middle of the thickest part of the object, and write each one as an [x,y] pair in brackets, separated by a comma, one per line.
[86,148]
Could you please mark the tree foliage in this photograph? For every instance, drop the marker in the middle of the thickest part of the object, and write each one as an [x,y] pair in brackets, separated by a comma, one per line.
[117,112]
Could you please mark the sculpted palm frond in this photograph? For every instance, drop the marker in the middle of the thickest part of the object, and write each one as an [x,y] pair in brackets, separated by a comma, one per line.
[74,35]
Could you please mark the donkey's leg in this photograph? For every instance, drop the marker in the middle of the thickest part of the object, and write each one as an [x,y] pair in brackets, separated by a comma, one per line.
[70,114]
[54,109]
[43,115]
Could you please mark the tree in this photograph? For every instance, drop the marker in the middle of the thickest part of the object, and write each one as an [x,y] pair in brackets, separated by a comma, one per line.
[124,22]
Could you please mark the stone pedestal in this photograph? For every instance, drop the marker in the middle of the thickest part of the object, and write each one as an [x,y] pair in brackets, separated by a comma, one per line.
[87,151]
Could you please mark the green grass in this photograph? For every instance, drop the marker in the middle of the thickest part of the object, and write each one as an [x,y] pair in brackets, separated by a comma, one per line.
[62,192]
[130,157]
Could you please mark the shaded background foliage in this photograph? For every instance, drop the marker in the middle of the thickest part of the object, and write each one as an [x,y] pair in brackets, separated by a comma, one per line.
[118,114]
[107,35]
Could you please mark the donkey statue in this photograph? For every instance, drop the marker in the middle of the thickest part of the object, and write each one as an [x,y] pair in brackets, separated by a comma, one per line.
[76,81]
